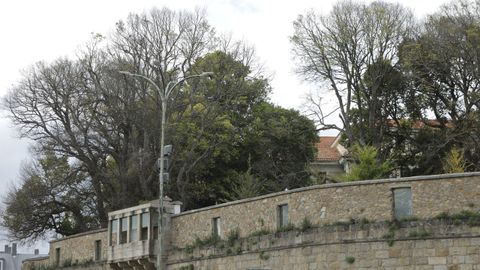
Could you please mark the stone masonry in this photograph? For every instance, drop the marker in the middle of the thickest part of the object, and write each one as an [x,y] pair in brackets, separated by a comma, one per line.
[74,251]
[333,226]
[325,204]
[441,246]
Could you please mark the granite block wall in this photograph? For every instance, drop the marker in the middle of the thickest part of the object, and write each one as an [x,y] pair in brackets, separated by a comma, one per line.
[325,204]
[432,245]
[78,250]
[350,227]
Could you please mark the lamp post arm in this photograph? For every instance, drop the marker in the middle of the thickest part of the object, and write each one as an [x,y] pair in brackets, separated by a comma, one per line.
[162,94]
[169,89]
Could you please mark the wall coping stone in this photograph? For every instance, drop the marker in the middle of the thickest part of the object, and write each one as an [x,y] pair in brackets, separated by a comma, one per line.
[79,235]
[336,185]
[146,205]
[37,259]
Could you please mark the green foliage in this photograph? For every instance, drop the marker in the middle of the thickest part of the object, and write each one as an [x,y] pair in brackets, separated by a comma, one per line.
[368,167]
[286,228]
[454,162]
[280,143]
[261,232]
[342,223]
[441,86]
[366,81]
[187,267]
[53,195]
[210,240]
[352,221]
[244,185]
[422,233]
[238,250]
[364,221]
[189,249]
[305,225]
[465,216]
[85,110]
[263,256]
[390,235]
[233,236]
[257,147]
[350,259]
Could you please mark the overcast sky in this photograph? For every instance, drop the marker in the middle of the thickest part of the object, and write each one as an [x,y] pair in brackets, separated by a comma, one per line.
[34,30]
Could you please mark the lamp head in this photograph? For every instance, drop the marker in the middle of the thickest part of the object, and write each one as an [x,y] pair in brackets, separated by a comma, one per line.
[205,74]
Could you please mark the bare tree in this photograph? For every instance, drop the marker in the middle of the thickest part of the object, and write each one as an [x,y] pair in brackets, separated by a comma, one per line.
[86,110]
[338,49]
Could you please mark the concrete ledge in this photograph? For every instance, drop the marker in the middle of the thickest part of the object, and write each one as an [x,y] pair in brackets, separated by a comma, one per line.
[37,259]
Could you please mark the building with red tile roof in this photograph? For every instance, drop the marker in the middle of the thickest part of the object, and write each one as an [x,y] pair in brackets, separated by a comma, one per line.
[330,161]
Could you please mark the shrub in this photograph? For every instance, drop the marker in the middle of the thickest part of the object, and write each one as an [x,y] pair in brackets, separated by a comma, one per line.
[306,225]
[286,228]
[422,233]
[368,166]
[350,259]
[469,217]
[233,236]
[210,240]
[187,267]
[261,232]
[263,256]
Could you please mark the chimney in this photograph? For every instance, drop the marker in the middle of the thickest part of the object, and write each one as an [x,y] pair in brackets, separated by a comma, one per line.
[14,249]
[7,249]
[36,252]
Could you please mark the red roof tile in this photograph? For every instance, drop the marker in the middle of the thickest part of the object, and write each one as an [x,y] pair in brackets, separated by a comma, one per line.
[325,149]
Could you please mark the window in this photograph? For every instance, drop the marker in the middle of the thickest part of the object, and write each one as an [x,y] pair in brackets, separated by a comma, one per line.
[155,224]
[133,228]
[402,202]
[57,256]
[282,215]
[216,226]
[113,232]
[123,230]
[145,223]
[98,250]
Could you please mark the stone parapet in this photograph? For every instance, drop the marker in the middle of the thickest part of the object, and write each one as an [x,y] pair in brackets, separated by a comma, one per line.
[371,200]
[376,224]
[78,250]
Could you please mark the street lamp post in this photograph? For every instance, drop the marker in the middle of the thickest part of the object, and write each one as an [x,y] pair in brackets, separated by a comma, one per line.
[164,95]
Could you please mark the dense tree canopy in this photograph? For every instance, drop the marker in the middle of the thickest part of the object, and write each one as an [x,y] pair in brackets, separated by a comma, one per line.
[442,67]
[97,130]
[408,88]
[54,196]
